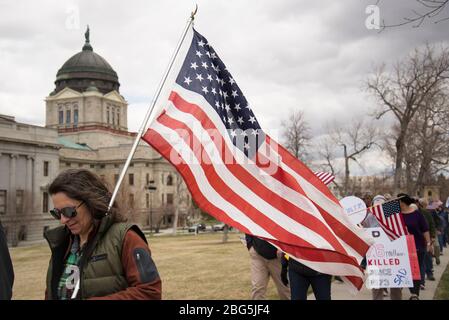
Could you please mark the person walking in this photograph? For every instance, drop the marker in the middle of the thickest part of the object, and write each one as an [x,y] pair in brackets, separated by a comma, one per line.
[95,255]
[302,277]
[6,268]
[417,226]
[265,263]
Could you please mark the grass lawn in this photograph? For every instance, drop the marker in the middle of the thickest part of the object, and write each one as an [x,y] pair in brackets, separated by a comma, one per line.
[190,266]
[442,292]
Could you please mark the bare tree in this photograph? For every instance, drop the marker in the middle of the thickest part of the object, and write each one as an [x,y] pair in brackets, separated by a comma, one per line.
[296,133]
[405,90]
[350,141]
[429,9]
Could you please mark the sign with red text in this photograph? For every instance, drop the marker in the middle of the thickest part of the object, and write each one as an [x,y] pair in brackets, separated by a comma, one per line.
[388,262]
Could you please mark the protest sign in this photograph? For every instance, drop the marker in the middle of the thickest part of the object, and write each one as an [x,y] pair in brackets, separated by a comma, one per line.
[391,264]
[355,208]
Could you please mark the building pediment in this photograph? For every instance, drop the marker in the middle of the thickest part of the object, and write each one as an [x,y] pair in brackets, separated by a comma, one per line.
[65,93]
[115,96]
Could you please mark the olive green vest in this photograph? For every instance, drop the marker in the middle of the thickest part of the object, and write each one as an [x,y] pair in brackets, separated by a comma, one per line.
[101,270]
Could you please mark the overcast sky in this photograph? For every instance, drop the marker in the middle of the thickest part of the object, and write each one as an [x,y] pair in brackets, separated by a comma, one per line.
[308,55]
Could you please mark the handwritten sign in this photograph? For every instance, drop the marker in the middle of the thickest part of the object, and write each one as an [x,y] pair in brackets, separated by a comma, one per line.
[388,262]
[355,208]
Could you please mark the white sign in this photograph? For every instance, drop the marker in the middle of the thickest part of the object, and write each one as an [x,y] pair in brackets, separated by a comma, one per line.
[388,262]
[355,208]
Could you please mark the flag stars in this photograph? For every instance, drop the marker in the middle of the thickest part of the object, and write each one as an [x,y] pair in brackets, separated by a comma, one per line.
[252,119]
[233,134]
[201,43]
[230,120]
[205,90]
[246,146]
[208,54]
[231,81]
[225,94]
[193,65]
[204,65]
[213,55]
[209,77]
[199,54]
[217,104]
[227,107]
[214,91]
[234,94]
[240,120]
[199,77]
[248,107]
[187,80]
[237,107]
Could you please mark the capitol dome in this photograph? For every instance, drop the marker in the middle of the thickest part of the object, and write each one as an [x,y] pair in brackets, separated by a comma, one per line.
[86,69]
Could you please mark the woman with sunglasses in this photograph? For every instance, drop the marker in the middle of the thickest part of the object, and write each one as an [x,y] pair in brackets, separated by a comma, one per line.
[95,254]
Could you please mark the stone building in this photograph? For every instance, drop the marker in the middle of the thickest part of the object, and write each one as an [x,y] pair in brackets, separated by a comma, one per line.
[29,160]
[86,127]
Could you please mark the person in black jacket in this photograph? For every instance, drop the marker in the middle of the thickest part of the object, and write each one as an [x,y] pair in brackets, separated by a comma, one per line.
[301,277]
[6,269]
[265,262]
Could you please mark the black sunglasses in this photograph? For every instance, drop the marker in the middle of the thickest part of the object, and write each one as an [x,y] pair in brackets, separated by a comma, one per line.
[68,212]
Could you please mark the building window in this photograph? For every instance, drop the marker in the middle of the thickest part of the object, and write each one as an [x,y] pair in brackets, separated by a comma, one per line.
[148,178]
[429,193]
[80,165]
[115,178]
[113,117]
[147,164]
[75,117]
[131,164]
[162,178]
[162,198]
[3,201]
[147,200]
[45,202]
[118,118]
[19,201]
[92,166]
[115,165]
[169,180]
[45,168]
[68,164]
[131,201]
[61,117]
[131,179]
[107,115]
[22,236]
[102,166]
[68,117]
[169,198]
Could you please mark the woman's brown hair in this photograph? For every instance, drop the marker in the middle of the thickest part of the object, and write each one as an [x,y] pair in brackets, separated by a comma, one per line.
[86,186]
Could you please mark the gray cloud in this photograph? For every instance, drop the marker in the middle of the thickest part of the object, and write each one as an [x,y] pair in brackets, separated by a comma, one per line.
[309,55]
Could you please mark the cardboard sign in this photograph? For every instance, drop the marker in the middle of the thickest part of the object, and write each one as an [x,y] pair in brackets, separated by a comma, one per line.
[355,208]
[389,264]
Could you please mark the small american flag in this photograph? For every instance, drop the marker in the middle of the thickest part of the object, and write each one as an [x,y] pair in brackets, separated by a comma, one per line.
[390,219]
[242,177]
[326,177]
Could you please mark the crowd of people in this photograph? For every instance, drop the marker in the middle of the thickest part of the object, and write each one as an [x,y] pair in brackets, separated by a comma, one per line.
[95,254]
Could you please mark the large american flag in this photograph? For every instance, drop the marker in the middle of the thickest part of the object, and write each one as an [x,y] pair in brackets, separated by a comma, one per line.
[242,177]
[390,218]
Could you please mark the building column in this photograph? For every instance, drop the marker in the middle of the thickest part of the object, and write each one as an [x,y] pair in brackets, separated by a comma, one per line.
[29,186]
[12,185]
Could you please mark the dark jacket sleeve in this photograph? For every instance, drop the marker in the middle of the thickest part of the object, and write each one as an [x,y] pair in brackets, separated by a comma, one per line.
[141,273]
[6,269]
[249,241]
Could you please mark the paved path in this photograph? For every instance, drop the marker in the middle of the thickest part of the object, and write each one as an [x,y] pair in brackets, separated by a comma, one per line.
[339,291]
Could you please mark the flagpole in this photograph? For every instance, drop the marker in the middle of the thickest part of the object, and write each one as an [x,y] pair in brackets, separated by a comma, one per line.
[150,110]
[374,206]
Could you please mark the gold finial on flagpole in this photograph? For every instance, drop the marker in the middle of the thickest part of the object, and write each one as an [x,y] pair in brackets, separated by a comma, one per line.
[192,16]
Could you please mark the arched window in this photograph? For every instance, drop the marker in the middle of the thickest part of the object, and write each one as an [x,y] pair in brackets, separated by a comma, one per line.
[169,180]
